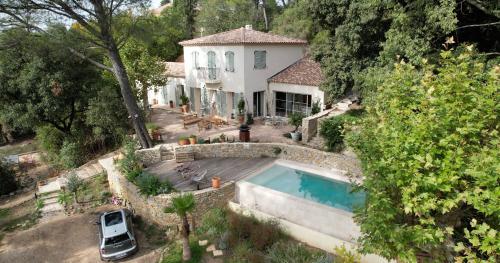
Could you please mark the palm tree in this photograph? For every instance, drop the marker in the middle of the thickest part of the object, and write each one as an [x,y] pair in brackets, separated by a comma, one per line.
[182,205]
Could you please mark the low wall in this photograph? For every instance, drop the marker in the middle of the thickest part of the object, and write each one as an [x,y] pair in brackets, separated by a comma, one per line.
[151,208]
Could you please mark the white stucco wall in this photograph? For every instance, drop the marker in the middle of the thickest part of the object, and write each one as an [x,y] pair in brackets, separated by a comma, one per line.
[245,79]
[314,91]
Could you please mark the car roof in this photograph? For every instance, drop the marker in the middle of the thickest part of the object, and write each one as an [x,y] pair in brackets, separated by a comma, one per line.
[118,227]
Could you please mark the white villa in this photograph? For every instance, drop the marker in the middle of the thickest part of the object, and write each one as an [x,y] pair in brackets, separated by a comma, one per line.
[270,72]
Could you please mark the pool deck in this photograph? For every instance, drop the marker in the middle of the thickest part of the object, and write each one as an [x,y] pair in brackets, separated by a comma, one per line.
[228,169]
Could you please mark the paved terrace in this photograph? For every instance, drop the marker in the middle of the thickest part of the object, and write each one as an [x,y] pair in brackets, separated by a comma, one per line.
[228,169]
[171,128]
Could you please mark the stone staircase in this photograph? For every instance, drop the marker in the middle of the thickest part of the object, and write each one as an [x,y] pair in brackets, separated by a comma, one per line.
[167,152]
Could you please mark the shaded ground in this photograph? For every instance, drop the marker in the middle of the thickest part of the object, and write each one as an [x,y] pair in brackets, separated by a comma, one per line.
[71,239]
[171,125]
[228,169]
[18,147]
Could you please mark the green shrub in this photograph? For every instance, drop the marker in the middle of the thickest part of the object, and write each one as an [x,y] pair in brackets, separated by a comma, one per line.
[70,155]
[292,252]
[8,182]
[74,183]
[333,129]
[295,119]
[213,224]
[129,165]
[150,185]
[243,253]
[261,235]
[174,254]
[184,99]
[249,119]
[39,204]
[50,140]
[316,107]
[64,198]
[343,255]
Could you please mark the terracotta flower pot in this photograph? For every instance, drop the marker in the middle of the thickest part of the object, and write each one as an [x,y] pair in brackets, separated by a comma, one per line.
[216,182]
[192,140]
[171,104]
[185,108]
[183,142]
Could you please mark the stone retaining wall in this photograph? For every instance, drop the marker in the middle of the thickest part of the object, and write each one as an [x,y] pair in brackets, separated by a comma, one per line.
[151,208]
[255,150]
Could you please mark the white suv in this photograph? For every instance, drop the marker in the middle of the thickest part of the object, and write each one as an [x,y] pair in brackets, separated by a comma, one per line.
[116,236]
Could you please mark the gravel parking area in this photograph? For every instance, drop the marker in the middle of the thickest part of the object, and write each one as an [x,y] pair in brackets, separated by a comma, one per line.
[70,239]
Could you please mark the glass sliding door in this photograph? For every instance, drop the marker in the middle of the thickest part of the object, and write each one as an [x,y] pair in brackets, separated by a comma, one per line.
[258,103]
[288,103]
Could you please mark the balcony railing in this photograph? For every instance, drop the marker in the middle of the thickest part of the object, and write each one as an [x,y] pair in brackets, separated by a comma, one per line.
[209,75]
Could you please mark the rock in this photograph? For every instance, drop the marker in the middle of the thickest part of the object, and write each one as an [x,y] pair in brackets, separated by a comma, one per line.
[218,253]
[203,243]
[211,248]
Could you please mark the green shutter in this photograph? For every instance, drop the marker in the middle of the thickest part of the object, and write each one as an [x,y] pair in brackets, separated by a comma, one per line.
[259,59]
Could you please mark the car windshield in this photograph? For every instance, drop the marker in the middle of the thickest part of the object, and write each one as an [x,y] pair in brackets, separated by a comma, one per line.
[116,239]
[113,218]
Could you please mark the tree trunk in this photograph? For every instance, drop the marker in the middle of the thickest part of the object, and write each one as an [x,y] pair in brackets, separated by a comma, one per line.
[128,96]
[145,98]
[186,250]
[266,22]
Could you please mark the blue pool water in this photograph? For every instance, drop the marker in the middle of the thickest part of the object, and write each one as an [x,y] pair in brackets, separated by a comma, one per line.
[310,186]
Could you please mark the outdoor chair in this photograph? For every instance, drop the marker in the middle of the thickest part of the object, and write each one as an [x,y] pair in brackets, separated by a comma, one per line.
[200,178]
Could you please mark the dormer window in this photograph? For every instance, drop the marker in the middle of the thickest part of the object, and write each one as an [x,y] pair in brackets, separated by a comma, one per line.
[195,60]
[229,61]
[259,59]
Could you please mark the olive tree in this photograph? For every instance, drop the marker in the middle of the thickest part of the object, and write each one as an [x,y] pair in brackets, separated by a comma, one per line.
[96,20]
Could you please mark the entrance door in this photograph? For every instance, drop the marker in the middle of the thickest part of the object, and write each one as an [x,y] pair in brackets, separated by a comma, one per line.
[258,103]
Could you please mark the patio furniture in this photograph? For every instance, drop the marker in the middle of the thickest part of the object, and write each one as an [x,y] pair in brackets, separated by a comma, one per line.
[204,124]
[200,178]
[189,120]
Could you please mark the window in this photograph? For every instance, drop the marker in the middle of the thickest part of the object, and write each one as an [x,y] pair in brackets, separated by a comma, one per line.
[288,103]
[259,59]
[116,239]
[113,219]
[230,61]
[195,60]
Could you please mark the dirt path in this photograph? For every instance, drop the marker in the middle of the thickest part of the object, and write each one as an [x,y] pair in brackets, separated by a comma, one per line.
[70,239]
[16,200]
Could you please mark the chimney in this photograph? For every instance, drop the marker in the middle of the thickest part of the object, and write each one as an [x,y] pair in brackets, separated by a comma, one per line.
[248,27]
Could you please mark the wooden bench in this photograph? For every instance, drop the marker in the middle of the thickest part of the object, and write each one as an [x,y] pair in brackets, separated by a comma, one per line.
[184,157]
[190,120]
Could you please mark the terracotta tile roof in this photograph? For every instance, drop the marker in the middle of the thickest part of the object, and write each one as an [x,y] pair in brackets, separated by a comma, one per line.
[303,72]
[175,69]
[242,36]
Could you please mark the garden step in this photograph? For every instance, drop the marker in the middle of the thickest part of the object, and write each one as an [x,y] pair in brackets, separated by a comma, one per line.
[49,195]
[50,201]
[51,208]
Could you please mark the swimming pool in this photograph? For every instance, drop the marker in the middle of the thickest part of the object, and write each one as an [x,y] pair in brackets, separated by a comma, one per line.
[309,186]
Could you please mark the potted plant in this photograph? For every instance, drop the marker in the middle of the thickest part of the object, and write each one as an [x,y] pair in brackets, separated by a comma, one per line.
[244,133]
[171,104]
[183,140]
[192,139]
[153,130]
[222,137]
[185,103]
[241,111]
[295,119]
[216,182]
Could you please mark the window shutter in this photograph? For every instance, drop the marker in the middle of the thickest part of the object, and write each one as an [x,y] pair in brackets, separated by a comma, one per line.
[230,61]
[195,60]
[260,59]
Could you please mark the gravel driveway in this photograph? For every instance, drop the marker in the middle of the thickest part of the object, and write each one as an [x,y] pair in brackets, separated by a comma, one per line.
[70,239]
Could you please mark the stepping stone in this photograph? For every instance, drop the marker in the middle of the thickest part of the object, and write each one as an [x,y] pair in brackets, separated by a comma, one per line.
[211,248]
[218,253]
[203,243]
